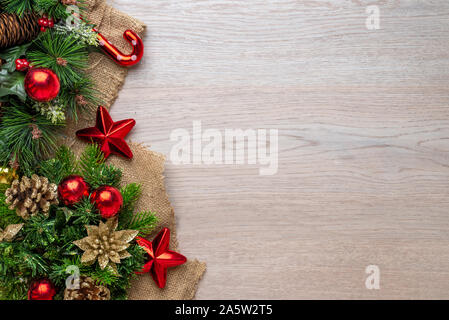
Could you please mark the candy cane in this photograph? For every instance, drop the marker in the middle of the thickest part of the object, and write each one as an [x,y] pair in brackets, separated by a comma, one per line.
[120,58]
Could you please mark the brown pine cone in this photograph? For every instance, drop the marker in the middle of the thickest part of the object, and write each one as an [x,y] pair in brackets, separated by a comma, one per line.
[15,30]
[30,196]
[88,291]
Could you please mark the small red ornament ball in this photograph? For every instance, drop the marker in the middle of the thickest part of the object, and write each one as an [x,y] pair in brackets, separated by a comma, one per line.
[72,189]
[108,201]
[42,84]
[41,289]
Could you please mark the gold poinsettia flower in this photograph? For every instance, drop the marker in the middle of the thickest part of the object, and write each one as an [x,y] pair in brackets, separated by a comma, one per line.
[105,244]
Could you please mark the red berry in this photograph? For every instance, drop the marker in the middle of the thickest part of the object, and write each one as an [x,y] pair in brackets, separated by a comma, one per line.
[21,64]
[43,29]
[51,23]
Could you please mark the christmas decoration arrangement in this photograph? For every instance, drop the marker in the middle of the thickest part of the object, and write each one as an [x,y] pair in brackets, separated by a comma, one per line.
[75,215]
[43,82]
[69,227]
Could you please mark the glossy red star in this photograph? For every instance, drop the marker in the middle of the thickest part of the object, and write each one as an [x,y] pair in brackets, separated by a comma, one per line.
[160,257]
[108,134]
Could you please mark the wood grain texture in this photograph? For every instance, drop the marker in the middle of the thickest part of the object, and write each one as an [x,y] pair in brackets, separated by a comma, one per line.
[363,119]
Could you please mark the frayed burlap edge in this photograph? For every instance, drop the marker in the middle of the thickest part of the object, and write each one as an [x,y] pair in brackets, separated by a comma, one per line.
[147,167]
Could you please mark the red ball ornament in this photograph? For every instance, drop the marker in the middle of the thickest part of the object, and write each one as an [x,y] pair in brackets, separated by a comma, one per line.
[72,189]
[42,84]
[108,201]
[41,289]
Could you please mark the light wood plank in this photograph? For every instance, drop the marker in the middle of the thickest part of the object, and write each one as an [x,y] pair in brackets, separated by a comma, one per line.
[363,118]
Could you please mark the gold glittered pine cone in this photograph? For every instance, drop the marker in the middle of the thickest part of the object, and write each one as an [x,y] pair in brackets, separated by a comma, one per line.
[31,196]
[105,244]
[88,290]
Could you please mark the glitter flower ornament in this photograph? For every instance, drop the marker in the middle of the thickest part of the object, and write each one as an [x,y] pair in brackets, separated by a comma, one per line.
[105,244]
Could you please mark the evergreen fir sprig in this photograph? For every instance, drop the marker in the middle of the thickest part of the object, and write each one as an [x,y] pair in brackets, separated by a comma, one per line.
[7,216]
[85,213]
[52,8]
[130,193]
[25,138]
[144,222]
[39,231]
[104,277]
[127,269]
[95,171]
[62,53]
[61,166]
[34,262]
[60,271]
[18,7]
[79,97]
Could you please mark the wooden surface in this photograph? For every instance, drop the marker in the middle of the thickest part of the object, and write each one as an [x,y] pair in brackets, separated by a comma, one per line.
[363,119]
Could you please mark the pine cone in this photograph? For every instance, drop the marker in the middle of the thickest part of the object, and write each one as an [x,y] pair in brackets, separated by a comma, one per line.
[88,291]
[15,30]
[31,196]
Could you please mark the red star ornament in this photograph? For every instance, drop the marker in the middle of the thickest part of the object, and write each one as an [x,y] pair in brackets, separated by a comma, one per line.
[160,257]
[108,134]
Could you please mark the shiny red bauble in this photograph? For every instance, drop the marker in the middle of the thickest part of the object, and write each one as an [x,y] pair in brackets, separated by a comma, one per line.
[108,201]
[42,289]
[72,189]
[42,84]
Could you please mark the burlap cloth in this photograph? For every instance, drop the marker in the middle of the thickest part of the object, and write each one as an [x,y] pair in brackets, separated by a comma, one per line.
[147,167]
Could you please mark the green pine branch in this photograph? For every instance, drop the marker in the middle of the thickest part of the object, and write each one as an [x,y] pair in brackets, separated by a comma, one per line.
[130,193]
[85,213]
[39,231]
[52,8]
[79,97]
[144,222]
[18,7]
[95,171]
[59,167]
[62,53]
[7,216]
[26,138]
